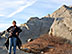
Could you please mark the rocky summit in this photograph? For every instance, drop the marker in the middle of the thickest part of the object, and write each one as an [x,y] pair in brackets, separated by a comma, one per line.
[62,25]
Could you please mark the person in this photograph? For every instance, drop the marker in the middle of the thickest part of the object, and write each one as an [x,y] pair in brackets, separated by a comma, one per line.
[13,37]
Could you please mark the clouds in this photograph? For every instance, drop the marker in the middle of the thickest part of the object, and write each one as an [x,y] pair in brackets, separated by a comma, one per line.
[53,5]
[22,8]
[9,4]
[62,2]
[4,26]
[10,8]
[2,15]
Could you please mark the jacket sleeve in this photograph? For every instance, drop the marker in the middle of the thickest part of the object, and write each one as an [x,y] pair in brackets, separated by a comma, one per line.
[9,29]
[19,30]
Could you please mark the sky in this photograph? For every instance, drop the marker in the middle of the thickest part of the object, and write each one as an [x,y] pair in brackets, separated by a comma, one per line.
[22,10]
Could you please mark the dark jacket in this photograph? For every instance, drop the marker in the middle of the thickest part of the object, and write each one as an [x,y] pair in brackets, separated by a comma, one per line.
[13,30]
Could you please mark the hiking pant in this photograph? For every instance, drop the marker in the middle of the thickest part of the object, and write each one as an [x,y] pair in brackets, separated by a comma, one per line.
[12,42]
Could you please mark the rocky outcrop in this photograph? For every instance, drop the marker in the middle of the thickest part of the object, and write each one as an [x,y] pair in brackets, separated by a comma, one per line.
[63,12]
[62,25]
[35,27]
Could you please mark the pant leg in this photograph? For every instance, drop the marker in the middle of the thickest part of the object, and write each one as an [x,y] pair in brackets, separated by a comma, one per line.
[10,45]
[14,45]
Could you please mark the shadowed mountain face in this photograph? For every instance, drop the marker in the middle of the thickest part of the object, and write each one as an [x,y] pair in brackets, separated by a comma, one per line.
[35,27]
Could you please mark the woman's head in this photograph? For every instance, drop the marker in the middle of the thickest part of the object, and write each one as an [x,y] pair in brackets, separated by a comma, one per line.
[14,23]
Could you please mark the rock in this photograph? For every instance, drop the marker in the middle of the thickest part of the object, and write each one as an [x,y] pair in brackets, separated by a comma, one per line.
[35,27]
[63,12]
[47,15]
[29,40]
[62,25]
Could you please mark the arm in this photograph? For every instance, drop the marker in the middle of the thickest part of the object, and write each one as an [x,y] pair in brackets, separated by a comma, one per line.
[19,30]
[9,29]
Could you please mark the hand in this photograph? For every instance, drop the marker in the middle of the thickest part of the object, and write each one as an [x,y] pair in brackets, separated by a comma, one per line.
[16,33]
[10,34]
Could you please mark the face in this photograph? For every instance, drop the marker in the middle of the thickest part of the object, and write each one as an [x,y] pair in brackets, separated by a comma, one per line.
[14,23]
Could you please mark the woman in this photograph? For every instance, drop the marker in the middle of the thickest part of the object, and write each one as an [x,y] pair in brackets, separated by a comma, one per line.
[13,37]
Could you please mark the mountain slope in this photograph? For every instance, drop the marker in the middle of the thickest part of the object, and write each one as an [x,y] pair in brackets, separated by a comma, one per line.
[62,25]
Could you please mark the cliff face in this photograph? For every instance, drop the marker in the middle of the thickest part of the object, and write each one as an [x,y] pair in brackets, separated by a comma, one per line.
[62,25]
[36,27]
